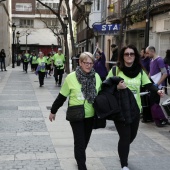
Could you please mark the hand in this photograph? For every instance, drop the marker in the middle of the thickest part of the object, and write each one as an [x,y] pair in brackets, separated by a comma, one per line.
[52,117]
[121,85]
[161,93]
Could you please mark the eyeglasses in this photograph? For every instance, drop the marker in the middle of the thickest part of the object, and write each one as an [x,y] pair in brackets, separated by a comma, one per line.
[129,54]
[87,63]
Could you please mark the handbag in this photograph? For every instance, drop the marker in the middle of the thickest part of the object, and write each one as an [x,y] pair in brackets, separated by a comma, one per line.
[75,113]
[99,122]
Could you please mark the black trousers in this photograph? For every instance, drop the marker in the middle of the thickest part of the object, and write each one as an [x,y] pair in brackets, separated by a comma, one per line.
[41,76]
[3,63]
[58,74]
[25,66]
[127,134]
[81,132]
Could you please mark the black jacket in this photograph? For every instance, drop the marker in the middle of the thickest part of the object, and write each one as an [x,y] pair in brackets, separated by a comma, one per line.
[125,100]
[2,56]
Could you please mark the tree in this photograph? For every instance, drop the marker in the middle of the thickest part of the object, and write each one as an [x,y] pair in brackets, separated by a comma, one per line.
[55,29]
[64,28]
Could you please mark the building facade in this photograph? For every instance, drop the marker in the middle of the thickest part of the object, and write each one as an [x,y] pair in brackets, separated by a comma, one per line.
[5,20]
[37,25]
[145,22]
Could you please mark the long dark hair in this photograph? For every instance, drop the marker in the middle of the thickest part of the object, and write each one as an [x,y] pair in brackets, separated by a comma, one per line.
[120,62]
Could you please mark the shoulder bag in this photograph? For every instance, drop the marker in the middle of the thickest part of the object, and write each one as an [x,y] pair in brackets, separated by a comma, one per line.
[75,113]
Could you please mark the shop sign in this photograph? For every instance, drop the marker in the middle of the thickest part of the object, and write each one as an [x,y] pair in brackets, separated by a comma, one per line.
[106,28]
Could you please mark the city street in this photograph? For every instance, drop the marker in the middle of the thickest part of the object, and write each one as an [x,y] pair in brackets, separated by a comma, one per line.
[29,141]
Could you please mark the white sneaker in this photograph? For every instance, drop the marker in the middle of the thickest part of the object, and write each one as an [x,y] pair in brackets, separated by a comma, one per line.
[125,168]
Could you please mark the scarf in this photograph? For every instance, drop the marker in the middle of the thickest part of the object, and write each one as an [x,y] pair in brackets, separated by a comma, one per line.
[88,82]
[132,71]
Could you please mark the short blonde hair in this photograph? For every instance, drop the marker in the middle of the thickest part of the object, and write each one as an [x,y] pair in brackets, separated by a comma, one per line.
[86,55]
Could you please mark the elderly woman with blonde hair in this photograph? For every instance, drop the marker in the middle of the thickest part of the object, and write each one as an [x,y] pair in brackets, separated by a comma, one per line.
[82,87]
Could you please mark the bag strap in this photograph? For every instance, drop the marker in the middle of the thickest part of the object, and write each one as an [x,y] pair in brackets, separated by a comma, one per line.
[141,71]
[114,70]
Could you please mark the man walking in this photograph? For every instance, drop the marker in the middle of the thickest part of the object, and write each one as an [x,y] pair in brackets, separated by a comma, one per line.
[158,74]
[58,62]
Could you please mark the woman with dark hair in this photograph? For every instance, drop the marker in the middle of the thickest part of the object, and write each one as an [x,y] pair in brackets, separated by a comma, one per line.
[131,71]
[2,59]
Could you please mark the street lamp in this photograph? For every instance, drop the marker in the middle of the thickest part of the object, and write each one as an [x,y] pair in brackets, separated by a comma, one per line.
[17,35]
[147,24]
[66,22]
[66,44]
[13,52]
[27,34]
[87,5]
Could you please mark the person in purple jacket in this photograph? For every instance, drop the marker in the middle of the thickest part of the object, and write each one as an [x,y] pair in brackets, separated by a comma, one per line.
[100,64]
[158,74]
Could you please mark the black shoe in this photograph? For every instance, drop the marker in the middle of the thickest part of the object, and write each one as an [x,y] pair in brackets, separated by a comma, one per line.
[5,70]
[144,121]
[159,125]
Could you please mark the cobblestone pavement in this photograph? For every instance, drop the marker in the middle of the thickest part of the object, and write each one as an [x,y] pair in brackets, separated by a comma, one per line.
[29,141]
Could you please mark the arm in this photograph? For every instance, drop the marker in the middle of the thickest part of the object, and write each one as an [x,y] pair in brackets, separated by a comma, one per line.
[163,77]
[56,105]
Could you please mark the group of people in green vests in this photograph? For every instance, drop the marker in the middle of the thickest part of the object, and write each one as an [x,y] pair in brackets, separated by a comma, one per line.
[44,65]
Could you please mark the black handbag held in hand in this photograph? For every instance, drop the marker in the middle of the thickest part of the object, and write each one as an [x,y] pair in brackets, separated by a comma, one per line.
[75,113]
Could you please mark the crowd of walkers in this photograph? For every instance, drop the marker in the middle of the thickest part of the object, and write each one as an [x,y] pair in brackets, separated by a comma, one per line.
[43,65]
[133,74]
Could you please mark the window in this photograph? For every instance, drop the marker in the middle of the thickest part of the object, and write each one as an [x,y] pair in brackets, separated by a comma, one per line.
[98,5]
[26,23]
[51,5]
[23,7]
[51,22]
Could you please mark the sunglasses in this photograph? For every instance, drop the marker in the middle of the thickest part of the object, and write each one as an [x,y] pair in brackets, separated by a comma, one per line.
[129,54]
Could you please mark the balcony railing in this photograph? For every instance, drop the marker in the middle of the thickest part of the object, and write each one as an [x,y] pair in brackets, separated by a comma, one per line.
[142,5]
[135,7]
[114,16]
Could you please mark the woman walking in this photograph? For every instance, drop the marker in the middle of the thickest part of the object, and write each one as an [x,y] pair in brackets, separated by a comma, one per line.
[41,68]
[81,86]
[133,75]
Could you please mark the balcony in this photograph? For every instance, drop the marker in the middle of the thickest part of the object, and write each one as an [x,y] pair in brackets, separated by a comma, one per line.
[81,36]
[141,6]
[159,6]
[134,8]
[114,14]
[114,17]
